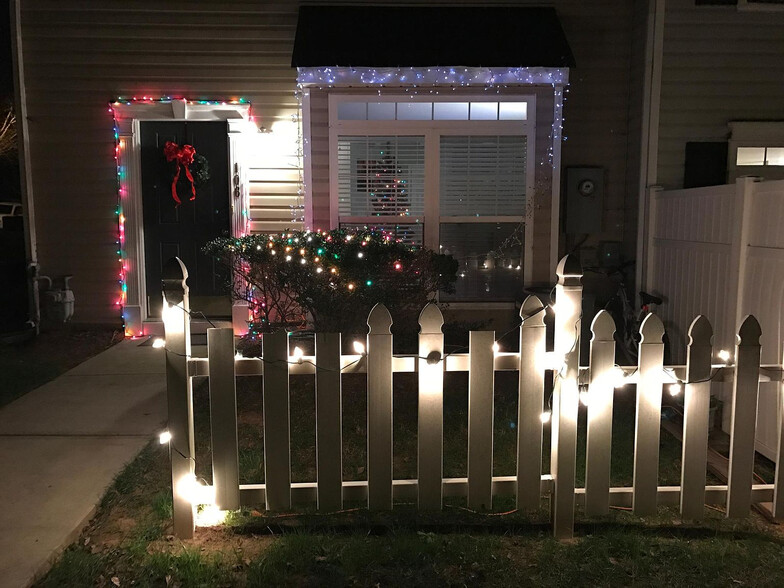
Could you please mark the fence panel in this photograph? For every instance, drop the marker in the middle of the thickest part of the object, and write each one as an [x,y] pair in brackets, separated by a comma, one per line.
[480,362]
[329,423]
[530,404]
[480,420]
[277,457]
[223,418]
[379,406]
[696,409]
[600,414]
[648,416]
[744,413]
[430,429]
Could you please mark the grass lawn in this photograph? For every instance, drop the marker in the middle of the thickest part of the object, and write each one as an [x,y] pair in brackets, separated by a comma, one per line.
[129,541]
[25,366]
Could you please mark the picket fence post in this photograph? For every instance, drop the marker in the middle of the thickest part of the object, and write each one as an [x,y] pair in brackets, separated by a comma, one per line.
[480,419]
[696,413]
[329,423]
[430,426]
[379,407]
[648,416]
[563,454]
[223,418]
[744,417]
[530,406]
[600,414]
[179,395]
[277,454]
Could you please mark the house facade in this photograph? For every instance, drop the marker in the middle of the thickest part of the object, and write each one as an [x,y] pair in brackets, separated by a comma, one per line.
[461,128]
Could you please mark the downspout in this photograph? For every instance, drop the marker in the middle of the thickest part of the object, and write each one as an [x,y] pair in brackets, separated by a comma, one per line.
[649,149]
[25,176]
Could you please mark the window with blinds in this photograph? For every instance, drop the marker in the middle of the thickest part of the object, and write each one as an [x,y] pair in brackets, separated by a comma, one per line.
[381,176]
[482,175]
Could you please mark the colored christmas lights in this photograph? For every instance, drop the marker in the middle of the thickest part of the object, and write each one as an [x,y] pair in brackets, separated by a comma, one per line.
[115,107]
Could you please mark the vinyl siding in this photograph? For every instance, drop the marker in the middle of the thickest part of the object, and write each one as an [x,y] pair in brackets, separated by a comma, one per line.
[79,55]
[719,65]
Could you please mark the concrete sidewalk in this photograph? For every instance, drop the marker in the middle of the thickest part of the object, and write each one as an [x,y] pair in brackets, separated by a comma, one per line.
[62,444]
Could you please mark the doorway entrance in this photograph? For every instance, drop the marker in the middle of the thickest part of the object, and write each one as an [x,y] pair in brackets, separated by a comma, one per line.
[182,230]
[152,228]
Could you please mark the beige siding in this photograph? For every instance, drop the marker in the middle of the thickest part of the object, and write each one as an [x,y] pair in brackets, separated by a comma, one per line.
[597,123]
[719,65]
[80,55]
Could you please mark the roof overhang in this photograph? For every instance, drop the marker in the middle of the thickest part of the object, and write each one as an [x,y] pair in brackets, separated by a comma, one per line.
[514,40]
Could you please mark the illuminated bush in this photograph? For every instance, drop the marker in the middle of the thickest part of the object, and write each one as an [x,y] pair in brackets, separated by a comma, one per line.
[329,280]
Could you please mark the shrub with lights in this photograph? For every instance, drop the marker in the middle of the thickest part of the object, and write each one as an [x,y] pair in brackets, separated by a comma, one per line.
[329,280]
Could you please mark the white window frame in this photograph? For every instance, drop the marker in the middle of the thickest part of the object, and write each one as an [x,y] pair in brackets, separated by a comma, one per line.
[432,130]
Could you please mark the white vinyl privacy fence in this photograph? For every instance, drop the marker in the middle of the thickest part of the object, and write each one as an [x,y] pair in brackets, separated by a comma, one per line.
[718,251]
[593,385]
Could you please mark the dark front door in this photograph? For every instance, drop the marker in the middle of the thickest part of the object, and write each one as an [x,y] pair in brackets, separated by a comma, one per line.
[183,230]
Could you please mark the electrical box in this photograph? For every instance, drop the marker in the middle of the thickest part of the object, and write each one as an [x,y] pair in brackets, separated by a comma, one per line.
[584,199]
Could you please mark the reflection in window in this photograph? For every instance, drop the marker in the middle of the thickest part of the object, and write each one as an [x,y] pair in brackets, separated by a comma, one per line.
[481,276]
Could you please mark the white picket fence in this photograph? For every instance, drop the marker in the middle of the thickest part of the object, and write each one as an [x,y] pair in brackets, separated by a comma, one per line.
[571,381]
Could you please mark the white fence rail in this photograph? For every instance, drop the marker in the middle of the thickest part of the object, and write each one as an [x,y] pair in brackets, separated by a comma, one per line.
[529,485]
[718,251]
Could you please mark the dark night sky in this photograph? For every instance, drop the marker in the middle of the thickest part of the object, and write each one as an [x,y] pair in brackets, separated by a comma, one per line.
[6,73]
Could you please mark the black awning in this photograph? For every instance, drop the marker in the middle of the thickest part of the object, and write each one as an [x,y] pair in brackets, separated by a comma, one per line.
[383,36]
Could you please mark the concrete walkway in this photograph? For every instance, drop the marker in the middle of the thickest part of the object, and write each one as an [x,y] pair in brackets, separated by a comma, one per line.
[62,444]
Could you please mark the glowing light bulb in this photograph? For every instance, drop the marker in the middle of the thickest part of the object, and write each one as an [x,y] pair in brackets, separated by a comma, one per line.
[359,347]
[675,389]
[584,397]
[164,437]
[618,377]
[303,261]
[159,343]
[545,417]
[360,255]
[724,355]
[319,270]
[496,348]
[288,258]
[297,354]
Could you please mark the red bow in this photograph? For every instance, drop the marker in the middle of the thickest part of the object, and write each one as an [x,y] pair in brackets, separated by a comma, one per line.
[184,157]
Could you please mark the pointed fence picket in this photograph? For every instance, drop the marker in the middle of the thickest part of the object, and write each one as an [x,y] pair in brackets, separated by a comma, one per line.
[529,485]
[744,416]
[430,426]
[481,371]
[600,413]
[696,414]
[530,407]
[379,420]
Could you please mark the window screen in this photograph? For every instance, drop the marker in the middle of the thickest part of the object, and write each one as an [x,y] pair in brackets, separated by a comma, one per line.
[381,176]
[482,175]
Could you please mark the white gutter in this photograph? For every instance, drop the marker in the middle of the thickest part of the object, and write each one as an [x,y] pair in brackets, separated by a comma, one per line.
[649,149]
[26,180]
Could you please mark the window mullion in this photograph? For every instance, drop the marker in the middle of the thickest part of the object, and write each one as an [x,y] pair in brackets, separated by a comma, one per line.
[432,187]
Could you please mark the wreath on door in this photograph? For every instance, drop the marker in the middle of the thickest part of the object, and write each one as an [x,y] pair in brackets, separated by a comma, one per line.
[185,158]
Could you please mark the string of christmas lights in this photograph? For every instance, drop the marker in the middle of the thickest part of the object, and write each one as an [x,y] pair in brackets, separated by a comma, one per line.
[120,147]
